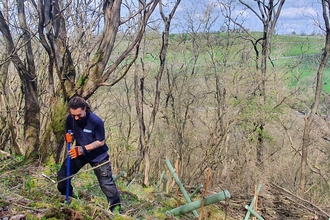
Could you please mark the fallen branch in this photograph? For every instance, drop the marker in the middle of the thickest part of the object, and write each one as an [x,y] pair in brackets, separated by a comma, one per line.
[8,155]
[302,200]
[47,177]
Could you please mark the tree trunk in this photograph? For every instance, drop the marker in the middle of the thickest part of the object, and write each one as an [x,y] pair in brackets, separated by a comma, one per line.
[145,133]
[97,71]
[268,15]
[310,117]
[29,83]
[5,107]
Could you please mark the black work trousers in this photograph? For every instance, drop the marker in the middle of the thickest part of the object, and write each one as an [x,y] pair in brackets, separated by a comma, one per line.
[103,174]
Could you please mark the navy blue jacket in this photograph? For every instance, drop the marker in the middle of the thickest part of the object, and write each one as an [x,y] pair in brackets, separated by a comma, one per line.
[90,129]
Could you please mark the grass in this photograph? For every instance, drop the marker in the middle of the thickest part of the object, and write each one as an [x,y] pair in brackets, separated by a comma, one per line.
[298,45]
[25,192]
[290,48]
[287,48]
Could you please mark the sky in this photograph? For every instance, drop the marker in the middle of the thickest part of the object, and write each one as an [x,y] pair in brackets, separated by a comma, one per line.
[299,16]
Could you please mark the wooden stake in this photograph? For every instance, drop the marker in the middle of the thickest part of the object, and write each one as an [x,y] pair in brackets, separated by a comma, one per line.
[177,187]
[208,177]
[255,208]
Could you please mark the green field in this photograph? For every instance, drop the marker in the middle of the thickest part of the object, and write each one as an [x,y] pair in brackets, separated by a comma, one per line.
[303,54]
[296,55]
[300,55]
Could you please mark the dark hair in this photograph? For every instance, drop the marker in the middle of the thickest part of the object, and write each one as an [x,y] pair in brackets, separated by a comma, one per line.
[79,102]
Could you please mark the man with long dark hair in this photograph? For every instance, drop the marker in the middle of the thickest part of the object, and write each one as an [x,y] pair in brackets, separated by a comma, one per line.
[90,147]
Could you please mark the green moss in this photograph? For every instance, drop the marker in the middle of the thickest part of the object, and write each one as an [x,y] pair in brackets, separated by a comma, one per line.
[77,205]
[50,161]
[4,203]
[159,213]
[82,80]
[58,120]
[171,202]
[120,217]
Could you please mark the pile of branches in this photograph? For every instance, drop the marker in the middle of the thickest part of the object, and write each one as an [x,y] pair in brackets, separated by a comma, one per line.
[276,202]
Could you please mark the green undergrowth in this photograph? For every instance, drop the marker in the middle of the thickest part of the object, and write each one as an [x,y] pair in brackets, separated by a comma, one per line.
[31,192]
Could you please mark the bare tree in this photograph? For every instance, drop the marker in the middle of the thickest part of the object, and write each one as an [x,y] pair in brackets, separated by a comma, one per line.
[268,14]
[4,107]
[309,118]
[98,70]
[55,27]
[27,74]
[144,131]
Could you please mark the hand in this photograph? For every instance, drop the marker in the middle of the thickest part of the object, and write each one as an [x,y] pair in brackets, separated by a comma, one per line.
[76,152]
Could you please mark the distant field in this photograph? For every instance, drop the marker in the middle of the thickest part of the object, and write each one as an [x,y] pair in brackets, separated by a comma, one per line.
[299,55]
[306,50]
[298,45]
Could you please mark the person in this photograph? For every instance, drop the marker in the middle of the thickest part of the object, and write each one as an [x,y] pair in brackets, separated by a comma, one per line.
[90,147]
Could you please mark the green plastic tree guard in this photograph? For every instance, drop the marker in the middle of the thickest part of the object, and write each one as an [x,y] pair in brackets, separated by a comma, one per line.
[177,180]
[196,190]
[133,180]
[197,204]
[122,173]
[252,203]
[163,177]
[254,212]
[164,182]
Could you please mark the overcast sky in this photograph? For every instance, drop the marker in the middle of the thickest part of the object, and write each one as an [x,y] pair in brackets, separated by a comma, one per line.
[299,16]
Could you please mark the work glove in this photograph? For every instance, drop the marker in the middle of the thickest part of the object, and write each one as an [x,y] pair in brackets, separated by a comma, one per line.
[76,151]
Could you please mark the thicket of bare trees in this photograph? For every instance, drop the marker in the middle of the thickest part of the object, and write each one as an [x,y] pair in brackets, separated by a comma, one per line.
[203,99]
